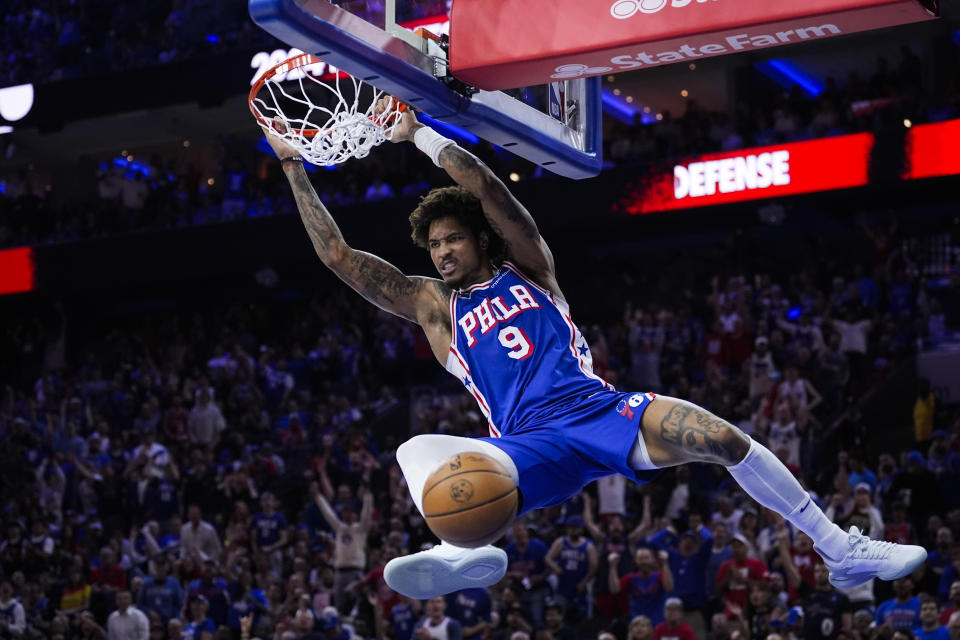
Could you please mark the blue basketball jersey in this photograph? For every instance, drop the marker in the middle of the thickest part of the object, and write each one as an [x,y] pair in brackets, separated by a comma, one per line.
[574,562]
[518,352]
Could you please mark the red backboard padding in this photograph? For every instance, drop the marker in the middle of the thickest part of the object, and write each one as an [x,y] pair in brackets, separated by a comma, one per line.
[516,43]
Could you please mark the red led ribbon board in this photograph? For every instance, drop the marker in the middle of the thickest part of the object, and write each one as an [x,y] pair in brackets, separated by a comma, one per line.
[752,174]
[518,43]
[932,150]
[16,271]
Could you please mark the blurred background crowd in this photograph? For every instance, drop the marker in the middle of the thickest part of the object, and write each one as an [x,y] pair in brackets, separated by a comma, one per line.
[214,462]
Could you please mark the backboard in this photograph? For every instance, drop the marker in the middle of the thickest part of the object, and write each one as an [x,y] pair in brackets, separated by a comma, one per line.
[563,136]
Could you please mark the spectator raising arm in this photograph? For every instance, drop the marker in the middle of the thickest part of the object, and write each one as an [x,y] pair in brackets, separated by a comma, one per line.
[646,523]
[366,511]
[328,513]
[588,522]
[613,577]
[666,574]
[786,559]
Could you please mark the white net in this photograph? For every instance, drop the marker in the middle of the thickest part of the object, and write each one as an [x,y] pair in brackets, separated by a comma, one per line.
[328,122]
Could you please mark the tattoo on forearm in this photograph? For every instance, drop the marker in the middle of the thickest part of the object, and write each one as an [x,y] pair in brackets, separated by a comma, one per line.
[380,282]
[376,280]
[700,433]
[321,228]
[470,172]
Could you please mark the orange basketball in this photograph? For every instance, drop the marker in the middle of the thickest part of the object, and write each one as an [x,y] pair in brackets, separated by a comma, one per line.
[470,501]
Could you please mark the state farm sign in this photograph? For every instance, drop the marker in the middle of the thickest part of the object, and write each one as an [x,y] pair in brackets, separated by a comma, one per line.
[730,44]
[509,43]
[751,174]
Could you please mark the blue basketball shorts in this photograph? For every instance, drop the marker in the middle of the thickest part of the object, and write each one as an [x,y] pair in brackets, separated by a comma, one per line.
[589,441]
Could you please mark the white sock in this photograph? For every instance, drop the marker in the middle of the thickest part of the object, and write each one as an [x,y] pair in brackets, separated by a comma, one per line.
[771,484]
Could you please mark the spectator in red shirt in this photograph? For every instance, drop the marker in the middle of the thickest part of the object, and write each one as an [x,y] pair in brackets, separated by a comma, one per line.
[711,349]
[737,345]
[374,583]
[804,558]
[737,574]
[109,575]
[899,530]
[673,627]
[105,581]
[294,435]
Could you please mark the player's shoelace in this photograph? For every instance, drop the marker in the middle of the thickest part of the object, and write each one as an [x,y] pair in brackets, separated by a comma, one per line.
[868,549]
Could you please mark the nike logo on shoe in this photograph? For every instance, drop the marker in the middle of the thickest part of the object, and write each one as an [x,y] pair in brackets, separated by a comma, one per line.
[804,507]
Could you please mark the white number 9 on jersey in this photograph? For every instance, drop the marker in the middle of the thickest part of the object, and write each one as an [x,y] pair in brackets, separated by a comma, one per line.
[516,340]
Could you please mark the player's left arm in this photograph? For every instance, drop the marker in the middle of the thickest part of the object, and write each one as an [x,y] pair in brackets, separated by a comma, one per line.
[509,219]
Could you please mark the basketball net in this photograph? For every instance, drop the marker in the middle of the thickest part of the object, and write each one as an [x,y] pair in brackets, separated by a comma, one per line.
[345,126]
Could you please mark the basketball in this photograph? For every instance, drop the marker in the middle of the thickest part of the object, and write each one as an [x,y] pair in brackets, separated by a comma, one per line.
[470,500]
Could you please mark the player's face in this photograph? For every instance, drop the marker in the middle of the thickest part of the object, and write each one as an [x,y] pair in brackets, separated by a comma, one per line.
[456,253]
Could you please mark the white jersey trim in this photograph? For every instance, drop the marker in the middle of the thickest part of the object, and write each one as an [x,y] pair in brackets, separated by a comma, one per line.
[457,366]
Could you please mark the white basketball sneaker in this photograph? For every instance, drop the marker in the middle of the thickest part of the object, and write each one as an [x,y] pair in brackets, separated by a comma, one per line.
[868,558]
[445,569]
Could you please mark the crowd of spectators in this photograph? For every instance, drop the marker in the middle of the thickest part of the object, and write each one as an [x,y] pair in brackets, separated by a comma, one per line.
[53,41]
[184,472]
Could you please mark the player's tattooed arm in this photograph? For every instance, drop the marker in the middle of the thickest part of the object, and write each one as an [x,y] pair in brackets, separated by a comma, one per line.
[375,279]
[509,219]
[702,435]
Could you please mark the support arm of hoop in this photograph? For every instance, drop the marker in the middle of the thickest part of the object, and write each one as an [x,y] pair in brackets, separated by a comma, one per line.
[394,66]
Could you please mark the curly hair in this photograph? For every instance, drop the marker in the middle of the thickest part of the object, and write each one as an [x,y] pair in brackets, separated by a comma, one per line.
[458,203]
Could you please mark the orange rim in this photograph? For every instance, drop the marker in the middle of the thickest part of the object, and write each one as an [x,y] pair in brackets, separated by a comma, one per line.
[297,61]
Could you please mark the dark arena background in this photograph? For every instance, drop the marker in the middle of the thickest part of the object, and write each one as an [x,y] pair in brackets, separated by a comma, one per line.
[192,405]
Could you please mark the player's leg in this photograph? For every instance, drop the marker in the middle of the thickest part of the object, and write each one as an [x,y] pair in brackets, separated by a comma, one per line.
[676,432]
[421,455]
[446,567]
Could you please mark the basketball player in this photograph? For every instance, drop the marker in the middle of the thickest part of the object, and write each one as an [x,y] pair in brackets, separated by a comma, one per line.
[498,321]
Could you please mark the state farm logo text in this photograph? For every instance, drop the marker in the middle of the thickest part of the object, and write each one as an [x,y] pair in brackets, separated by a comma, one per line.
[623,9]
